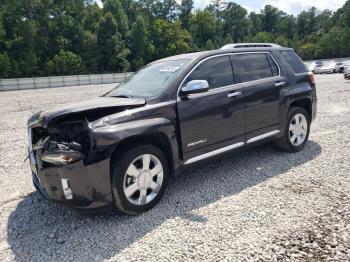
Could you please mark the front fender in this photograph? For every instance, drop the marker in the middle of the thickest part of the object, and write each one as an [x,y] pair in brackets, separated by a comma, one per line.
[109,136]
[112,134]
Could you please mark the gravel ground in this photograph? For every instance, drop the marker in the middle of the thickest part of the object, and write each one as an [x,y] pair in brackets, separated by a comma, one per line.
[261,204]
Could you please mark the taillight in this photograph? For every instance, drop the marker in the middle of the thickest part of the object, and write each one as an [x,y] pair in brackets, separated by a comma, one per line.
[312,79]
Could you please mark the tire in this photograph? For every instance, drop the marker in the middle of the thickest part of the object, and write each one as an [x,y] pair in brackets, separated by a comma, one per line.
[132,181]
[289,142]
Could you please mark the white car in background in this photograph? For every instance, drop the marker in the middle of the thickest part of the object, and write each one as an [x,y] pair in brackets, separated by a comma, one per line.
[328,68]
[343,66]
[314,65]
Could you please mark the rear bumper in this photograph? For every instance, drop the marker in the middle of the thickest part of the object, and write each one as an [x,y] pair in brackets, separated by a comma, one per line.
[88,187]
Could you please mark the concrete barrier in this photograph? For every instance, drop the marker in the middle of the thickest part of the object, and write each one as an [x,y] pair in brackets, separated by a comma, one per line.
[61,81]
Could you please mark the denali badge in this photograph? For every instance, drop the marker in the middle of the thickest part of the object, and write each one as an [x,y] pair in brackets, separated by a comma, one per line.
[196,143]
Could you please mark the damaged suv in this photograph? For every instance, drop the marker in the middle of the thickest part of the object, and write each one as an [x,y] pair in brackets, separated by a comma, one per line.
[121,149]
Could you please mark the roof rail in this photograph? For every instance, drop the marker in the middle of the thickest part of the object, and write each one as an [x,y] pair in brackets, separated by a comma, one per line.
[247,45]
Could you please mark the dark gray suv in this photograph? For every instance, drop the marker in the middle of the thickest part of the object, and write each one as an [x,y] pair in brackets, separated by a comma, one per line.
[120,150]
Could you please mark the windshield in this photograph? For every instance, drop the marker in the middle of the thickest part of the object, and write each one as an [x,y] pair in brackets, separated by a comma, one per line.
[151,80]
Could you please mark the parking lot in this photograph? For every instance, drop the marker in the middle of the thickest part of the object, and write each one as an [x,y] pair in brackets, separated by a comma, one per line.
[260,204]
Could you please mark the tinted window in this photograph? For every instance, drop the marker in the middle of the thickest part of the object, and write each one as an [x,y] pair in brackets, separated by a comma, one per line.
[217,71]
[273,65]
[253,67]
[294,61]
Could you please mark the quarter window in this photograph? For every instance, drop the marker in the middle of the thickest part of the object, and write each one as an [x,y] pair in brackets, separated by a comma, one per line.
[255,66]
[294,61]
[217,71]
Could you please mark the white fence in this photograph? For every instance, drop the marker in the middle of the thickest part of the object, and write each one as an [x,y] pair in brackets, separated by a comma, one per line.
[60,81]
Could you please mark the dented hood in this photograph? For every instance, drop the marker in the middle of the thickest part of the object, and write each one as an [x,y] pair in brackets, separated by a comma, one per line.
[94,108]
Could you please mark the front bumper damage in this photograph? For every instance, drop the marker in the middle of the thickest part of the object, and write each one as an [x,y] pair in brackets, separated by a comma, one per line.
[81,185]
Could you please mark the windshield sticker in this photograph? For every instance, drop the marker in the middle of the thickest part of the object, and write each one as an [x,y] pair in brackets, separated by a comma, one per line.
[169,69]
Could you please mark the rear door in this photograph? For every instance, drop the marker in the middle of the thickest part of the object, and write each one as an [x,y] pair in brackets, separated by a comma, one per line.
[260,76]
[212,120]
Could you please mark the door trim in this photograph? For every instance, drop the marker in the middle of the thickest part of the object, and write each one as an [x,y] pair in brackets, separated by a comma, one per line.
[262,136]
[213,153]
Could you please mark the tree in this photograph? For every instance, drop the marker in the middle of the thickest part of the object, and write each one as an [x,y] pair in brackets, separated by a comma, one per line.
[270,18]
[306,22]
[255,23]
[5,66]
[112,54]
[141,46]
[185,13]
[116,9]
[202,27]
[65,63]
[166,9]
[324,21]
[342,15]
[170,38]
[335,43]
[236,22]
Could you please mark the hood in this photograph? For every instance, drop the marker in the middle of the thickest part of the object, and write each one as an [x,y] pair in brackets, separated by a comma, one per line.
[91,109]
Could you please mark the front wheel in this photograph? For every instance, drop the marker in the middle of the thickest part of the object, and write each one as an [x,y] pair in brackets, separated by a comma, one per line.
[296,132]
[139,178]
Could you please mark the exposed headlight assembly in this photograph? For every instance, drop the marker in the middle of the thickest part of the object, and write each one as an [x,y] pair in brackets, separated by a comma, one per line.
[60,157]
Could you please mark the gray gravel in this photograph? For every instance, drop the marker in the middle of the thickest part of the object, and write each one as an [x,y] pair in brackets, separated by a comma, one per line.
[261,204]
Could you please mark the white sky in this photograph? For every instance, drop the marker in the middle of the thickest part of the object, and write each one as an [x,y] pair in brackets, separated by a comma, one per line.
[288,6]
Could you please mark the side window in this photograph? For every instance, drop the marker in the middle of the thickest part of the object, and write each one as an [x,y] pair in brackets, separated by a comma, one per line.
[217,71]
[274,67]
[294,61]
[254,66]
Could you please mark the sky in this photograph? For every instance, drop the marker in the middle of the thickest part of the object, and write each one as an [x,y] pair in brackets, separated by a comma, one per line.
[288,6]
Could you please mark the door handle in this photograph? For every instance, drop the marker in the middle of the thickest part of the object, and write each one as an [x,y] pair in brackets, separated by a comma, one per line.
[234,94]
[278,84]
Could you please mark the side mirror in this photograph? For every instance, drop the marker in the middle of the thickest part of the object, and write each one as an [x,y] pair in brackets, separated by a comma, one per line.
[195,86]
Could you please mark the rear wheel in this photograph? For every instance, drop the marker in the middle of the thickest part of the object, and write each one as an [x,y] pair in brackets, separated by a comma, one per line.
[139,178]
[296,131]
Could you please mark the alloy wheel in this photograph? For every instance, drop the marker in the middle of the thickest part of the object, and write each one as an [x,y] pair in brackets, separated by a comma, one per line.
[143,179]
[298,129]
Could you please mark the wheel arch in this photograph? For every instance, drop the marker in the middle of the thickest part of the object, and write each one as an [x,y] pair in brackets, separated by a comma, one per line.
[303,103]
[158,139]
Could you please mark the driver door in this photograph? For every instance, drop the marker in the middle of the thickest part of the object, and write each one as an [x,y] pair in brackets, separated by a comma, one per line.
[212,122]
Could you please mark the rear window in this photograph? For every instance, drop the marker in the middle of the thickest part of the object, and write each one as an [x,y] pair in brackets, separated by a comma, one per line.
[255,66]
[294,61]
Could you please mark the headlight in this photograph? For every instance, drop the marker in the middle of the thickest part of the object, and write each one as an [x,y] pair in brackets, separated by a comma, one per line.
[62,157]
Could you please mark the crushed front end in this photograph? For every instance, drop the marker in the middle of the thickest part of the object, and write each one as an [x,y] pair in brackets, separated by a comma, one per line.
[65,167]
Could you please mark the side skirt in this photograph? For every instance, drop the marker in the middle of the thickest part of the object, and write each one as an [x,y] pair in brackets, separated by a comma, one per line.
[230,147]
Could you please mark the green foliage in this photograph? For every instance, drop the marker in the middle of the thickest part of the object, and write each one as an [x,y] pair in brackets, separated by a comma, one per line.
[112,54]
[5,66]
[202,27]
[115,8]
[185,13]
[236,22]
[141,46]
[65,63]
[169,38]
[46,37]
